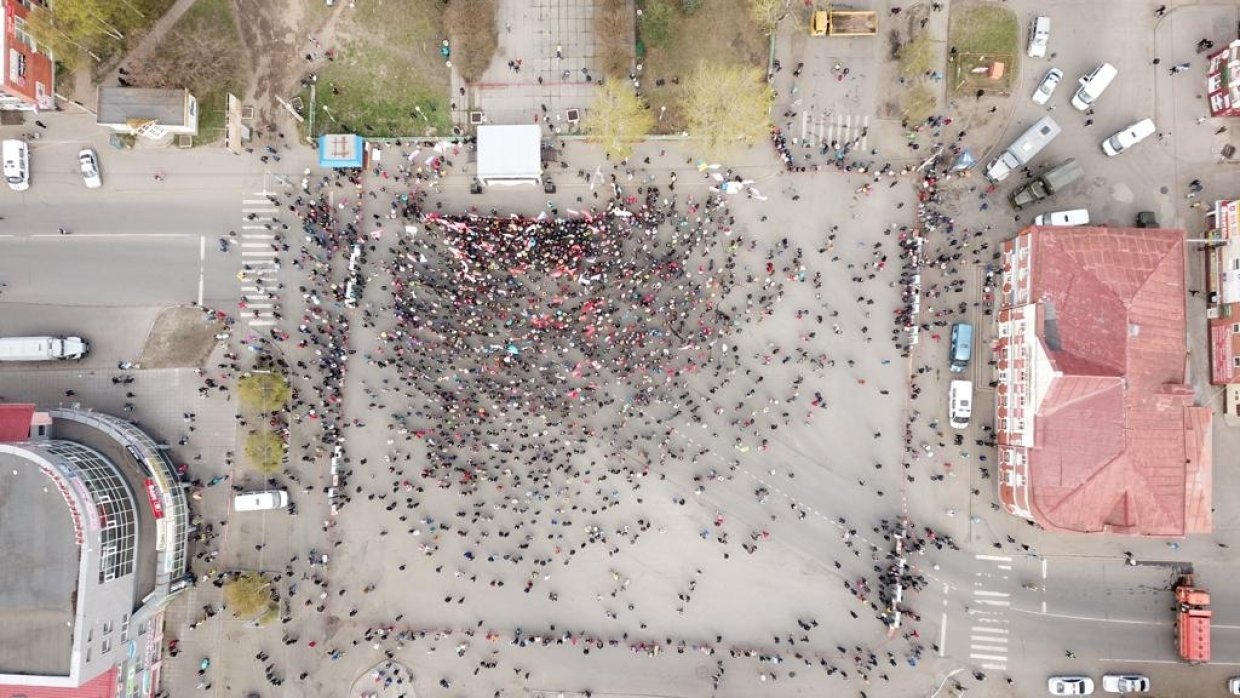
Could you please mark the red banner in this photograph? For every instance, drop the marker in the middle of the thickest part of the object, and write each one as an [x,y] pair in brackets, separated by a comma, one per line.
[157,504]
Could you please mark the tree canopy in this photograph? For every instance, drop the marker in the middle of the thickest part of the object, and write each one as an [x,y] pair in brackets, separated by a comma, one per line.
[768,13]
[265,392]
[75,25]
[618,118]
[471,24]
[248,595]
[265,451]
[727,105]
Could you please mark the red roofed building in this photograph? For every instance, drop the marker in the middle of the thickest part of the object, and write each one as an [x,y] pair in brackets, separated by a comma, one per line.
[102,686]
[27,71]
[1096,429]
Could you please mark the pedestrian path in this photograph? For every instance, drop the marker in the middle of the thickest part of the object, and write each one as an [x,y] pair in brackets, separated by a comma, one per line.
[828,127]
[989,626]
[260,265]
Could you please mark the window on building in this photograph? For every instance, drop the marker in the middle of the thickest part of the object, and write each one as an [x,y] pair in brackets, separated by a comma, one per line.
[107,627]
[1235,329]
[105,646]
[1235,362]
[1235,264]
[25,37]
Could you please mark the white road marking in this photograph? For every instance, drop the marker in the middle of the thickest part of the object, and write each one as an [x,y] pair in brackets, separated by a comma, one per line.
[113,235]
[943,636]
[983,592]
[997,658]
[1044,568]
[998,558]
[202,269]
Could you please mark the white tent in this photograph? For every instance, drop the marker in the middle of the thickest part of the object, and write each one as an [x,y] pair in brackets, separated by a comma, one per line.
[510,154]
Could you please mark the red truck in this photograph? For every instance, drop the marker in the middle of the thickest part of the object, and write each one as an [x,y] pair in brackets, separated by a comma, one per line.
[1192,622]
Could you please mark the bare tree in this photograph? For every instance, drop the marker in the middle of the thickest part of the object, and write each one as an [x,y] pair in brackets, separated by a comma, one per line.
[768,13]
[471,25]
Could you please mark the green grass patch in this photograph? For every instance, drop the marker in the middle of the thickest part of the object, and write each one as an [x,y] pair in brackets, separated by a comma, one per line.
[719,32]
[917,56]
[388,61]
[917,103]
[982,35]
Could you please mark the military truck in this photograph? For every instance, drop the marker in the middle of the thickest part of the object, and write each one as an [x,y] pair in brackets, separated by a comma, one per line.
[1047,184]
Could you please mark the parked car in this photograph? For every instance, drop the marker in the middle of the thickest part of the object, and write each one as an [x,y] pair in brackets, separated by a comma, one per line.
[1128,137]
[89,163]
[1070,685]
[1125,683]
[1039,36]
[960,404]
[16,164]
[260,501]
[1233,685]
[1076,216]
[1093,85]
[1046,88]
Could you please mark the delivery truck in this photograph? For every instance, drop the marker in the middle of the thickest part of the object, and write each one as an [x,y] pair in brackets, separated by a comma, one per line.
[42,348]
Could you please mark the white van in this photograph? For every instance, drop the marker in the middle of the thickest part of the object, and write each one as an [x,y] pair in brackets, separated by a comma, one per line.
[1128,137]
[260,501]
[960,404]
[1093,85]
[16,156]
[1077,216]
[1039,36]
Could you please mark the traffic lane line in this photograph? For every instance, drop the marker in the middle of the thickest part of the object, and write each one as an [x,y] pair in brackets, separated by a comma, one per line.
[110,235]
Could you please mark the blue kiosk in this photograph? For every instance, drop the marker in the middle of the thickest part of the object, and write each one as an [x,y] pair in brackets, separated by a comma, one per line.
[342,150]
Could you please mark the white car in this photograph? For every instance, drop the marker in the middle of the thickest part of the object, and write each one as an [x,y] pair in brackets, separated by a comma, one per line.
[1039,36]
[1125,683]
[1076,216]
[1128,137]
[1046,88]
[89,162]
[1070,685]
[1233,685]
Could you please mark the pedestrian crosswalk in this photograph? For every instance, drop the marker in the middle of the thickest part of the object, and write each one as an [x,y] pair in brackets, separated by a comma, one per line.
[825,128]
[989,626]
[260,265]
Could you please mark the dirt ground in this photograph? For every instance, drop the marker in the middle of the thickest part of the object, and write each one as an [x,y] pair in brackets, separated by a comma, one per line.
[179,338]
[276,35]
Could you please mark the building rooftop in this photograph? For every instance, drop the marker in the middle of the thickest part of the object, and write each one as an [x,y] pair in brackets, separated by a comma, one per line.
[102,686]
[123,105]
[38,579]
[1117,444]
[15,422]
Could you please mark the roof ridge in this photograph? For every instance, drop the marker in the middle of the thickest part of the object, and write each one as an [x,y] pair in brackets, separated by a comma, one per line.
[1056,407]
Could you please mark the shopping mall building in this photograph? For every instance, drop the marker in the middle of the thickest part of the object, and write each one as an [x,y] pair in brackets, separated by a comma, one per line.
[93,531]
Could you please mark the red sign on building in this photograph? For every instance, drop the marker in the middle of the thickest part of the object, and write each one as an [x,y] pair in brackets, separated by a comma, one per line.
[157,503]
[1223,81]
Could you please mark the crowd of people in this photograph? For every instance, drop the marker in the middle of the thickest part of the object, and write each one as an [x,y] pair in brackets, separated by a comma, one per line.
[510,359]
